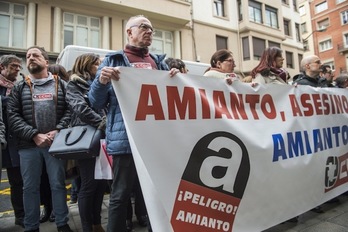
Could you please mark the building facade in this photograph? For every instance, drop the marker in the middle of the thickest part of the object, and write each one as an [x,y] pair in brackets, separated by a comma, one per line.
[329,32]
[187,29]
[93,23]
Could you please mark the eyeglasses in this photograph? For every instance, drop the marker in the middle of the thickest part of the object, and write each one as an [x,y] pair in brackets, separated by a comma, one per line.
[230,60]
[16,66]
[317,62]
[144,27]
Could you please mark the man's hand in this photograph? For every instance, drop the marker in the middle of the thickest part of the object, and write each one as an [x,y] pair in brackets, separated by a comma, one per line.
[42,140]
[173,71]
[52,134]
[229,80]
[108,73]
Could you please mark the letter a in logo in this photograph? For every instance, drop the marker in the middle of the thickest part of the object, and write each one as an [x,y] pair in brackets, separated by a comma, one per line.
[212,184]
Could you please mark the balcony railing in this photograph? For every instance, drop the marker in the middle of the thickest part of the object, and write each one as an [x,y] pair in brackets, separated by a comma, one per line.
[342,47]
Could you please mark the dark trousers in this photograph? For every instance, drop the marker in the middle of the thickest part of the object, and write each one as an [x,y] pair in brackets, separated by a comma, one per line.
[90,196]
[121,188]
[16,187]
[139,204]
[75,188]
[45,190]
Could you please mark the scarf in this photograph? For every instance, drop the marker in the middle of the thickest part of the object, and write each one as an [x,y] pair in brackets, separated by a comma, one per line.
[280,73]
[137,51]
[139,55]
[6,84]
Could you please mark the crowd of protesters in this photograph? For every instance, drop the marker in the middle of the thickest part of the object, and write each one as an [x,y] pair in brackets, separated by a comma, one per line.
[84,95]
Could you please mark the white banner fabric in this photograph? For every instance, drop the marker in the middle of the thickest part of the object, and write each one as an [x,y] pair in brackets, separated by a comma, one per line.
[217,157]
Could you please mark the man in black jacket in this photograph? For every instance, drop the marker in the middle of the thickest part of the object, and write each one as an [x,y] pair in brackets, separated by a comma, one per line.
[10,66]
[311,66]
[311,70]
[36,111]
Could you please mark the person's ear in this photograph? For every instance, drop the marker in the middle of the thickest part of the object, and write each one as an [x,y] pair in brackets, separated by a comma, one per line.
[218,64]
[129,31]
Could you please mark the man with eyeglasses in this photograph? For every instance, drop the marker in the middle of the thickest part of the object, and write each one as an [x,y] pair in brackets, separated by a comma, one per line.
[10,66]
[310,66]
[136,54]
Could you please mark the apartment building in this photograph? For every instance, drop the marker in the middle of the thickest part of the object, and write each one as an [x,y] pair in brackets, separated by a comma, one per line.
[247,27]
[269,23]
[328,34]
[187,29]
[94,23]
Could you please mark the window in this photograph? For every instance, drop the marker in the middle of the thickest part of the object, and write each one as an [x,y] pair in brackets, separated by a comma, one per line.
[81,30]
[325,45]
[298,34]
[302,10]
[289,60]
[219,8]
[344,16]
[12,26]
[294,4]
[287,30]
[221,42]
[345,40]
[258,47]
[273,44]
[300,57]
[240,10]
[304,28]
[323,23]
[305,45]
[340,1]
[286,2]
[255,12]
[271,17]
[246,48]
[162,43]
[331,64]
[321,7]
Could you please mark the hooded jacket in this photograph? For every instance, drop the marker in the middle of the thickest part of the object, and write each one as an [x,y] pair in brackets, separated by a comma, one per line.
[101,96]
[21,115]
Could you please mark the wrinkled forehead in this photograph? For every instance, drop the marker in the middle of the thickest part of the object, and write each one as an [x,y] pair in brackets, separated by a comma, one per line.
[34,51]
[140,20]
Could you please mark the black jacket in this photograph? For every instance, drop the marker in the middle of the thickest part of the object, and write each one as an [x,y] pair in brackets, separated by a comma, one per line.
[303,79]
[10,156]
[20,111]
[77,99]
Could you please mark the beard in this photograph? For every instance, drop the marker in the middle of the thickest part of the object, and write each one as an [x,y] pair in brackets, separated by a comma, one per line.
[35,68]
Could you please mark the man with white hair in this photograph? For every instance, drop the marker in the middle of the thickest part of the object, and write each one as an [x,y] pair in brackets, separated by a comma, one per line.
[136,54]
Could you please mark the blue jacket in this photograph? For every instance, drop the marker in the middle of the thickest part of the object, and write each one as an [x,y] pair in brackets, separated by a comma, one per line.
[101,96]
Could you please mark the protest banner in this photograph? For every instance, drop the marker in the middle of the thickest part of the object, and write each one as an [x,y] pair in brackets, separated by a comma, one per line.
[217,157]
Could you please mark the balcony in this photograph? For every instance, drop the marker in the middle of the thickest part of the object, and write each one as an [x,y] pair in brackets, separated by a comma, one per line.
[342,48]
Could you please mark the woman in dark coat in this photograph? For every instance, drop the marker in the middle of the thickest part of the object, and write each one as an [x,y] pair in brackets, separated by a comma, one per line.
[90,196]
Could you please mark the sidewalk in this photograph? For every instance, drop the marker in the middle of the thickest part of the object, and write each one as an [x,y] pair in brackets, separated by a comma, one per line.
[7,221]
[334,220]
